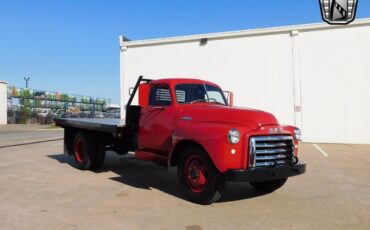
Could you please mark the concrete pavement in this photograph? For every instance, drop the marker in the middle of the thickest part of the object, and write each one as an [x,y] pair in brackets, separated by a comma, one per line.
[22,134]
[40,189]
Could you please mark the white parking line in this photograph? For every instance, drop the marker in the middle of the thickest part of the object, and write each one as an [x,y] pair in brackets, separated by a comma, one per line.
[322,151]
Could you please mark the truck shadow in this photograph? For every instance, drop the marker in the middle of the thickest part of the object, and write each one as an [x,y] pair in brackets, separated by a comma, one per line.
[147,175]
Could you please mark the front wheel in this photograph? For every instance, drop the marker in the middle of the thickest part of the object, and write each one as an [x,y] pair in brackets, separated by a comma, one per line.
[199,179]
[268,186]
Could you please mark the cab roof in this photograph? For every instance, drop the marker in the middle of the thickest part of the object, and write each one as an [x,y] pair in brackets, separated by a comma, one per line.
[177,81]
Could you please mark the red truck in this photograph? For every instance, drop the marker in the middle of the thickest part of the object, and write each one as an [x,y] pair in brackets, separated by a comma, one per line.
[190,124]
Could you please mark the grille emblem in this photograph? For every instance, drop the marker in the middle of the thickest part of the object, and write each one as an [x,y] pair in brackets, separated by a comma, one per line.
[338,11]
[274,130]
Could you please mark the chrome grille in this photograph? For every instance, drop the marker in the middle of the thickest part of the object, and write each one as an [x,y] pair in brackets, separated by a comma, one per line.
[265,151]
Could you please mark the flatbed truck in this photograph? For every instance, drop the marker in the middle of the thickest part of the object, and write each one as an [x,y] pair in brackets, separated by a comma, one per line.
[191,124]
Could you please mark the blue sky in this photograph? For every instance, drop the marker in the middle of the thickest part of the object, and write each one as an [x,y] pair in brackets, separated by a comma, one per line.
[72,46]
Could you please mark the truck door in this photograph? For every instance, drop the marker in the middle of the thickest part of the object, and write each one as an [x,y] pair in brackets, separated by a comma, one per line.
[157,121]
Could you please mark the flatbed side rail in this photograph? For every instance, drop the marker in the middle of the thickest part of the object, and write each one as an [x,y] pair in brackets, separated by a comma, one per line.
[99,126]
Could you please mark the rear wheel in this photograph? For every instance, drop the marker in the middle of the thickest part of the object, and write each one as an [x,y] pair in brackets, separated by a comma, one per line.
[84,151]
[100,156]
[199,179]
[268,186]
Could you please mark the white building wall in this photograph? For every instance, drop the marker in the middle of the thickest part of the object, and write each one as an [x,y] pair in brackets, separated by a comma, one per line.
[3,103]
[335,71]
[238,65]
[313,76]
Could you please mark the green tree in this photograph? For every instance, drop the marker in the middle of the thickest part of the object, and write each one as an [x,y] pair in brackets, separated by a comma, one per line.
[23,115]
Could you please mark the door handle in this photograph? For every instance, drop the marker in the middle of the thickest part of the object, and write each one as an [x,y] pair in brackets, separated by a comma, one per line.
[153,109]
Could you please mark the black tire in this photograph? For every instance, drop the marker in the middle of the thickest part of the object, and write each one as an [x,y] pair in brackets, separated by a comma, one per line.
[268,186]
[209,191]
[84,151]
[99,155]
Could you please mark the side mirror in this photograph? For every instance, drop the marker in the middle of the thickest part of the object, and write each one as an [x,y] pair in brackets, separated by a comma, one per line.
[229,97]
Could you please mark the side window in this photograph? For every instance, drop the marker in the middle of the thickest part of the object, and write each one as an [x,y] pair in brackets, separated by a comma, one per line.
[159,95]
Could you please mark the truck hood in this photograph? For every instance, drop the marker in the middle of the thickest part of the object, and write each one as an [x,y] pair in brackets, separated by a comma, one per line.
[206,112]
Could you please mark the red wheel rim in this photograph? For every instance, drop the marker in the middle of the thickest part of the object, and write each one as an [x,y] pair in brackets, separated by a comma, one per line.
[79,151]
[195,173]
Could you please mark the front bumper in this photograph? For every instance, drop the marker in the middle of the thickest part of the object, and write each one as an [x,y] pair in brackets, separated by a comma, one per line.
[266,173]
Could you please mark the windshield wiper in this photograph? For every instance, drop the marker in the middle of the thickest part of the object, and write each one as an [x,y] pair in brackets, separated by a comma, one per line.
[199,100]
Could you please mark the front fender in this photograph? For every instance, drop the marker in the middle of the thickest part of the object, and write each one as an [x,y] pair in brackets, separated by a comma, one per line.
[213,138]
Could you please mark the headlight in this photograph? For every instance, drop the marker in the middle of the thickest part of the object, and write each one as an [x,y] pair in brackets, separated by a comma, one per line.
[233,136]
[297,134]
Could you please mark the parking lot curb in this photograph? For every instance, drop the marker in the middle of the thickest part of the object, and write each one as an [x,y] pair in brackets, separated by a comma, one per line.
[30,143]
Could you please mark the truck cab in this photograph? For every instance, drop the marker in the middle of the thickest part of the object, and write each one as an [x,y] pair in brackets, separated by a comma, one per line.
[192,124]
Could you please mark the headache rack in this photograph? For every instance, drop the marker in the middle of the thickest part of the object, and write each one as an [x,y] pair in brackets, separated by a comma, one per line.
[270,151]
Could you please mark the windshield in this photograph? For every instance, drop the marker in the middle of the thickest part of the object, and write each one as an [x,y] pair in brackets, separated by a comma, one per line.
[192,93]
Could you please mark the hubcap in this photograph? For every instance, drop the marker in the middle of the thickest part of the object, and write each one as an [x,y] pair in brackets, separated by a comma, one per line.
[195,173]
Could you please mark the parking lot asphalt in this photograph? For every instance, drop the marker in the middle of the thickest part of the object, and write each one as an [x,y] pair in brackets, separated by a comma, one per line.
[22,134]
[40,189]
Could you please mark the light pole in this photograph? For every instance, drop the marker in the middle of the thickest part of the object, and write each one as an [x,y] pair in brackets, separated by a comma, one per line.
[27,79]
